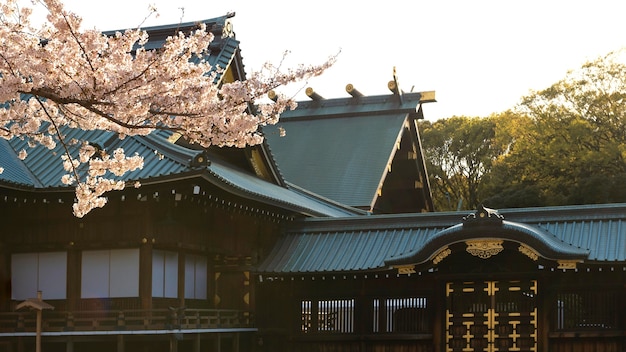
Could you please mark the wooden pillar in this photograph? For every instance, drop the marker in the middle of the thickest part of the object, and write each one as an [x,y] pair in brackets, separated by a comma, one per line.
[5,277]
[382,315]
[439,311]
[196,343]
[20,344]
[173,343]
[145,254]
[314,309]
[120,343]
[181,278]
[145,273]
[69,344]
[38,331]
[236,342]
[545,296]
[74,263]
[218,342]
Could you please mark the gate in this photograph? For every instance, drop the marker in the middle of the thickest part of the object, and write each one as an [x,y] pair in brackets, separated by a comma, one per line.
[491,316]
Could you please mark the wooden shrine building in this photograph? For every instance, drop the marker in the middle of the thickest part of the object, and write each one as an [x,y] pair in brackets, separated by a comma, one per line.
[162,267]
[322,240]
[364,152]
[544,279]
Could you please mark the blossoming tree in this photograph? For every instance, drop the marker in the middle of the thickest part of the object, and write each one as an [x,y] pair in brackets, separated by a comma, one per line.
[84,79]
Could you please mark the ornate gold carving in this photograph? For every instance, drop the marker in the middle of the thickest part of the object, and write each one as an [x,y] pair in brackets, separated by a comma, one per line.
[491,288]
[406,269]
[529,252]
[567,264]
[485,248]
[441,255]
[216,300]
[510,324]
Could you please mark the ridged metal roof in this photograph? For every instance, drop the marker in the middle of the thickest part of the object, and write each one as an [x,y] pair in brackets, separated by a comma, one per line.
[14,170]
[313,155]
[237,181]
[341,148]
[366,243]
[43,169]
[606,239]
[228,48]
[222,49]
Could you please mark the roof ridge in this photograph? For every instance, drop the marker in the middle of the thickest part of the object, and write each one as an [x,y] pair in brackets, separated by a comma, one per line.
[169,26]
[387,104]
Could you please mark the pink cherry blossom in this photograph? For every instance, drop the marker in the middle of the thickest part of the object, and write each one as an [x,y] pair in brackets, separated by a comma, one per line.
[83,79]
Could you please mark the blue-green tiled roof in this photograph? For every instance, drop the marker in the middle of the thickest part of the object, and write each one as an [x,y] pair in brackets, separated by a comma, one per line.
[237,181]
[43,169]
[221,51]
[14,170]
[343,159]
[341,148]
[597,232]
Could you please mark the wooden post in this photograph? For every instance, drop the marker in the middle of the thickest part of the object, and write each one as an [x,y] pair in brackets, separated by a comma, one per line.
[39,305]
[69,344]
[173,343]
[145,274]
[181,278]
[74,264]
[438,310]
[236,342]
[120,343]
[218,342]
[38,334]
[196,343]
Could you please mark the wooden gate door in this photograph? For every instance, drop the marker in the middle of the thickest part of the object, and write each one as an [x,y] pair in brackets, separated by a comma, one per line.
[491,316]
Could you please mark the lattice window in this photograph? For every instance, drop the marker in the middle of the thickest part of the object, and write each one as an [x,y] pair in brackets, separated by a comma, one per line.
[330,316]
[587,310]
[401,315]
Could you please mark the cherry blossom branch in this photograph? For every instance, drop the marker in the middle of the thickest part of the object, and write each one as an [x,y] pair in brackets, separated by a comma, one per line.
[61,139]
[84,79]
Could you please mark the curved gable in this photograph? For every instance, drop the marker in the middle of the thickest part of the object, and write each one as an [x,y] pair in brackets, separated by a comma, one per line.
[484,233]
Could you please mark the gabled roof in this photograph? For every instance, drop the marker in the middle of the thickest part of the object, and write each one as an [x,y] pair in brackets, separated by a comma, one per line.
[247,172]
[223,48]
[41,171]
[224,53]
[590,234]
[348,149]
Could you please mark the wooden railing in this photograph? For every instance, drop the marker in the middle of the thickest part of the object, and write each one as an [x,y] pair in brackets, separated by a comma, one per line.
[109,320]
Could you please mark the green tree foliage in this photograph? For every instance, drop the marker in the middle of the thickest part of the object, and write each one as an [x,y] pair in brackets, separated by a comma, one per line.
[573,146]
[459,150]
[562,145]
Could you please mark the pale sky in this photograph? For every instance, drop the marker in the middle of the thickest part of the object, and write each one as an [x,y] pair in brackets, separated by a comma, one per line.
[479,56]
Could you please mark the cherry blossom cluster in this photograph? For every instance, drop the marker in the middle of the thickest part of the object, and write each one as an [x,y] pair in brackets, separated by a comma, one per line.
[57,75]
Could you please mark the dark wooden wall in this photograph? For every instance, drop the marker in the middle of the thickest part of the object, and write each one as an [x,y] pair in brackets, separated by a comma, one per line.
[190,218]
[581,310]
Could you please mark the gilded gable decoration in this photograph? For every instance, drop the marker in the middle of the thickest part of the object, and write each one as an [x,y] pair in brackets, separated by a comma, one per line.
[406,269]
[441,255]
[567,264]
[484,248]
[529,252]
